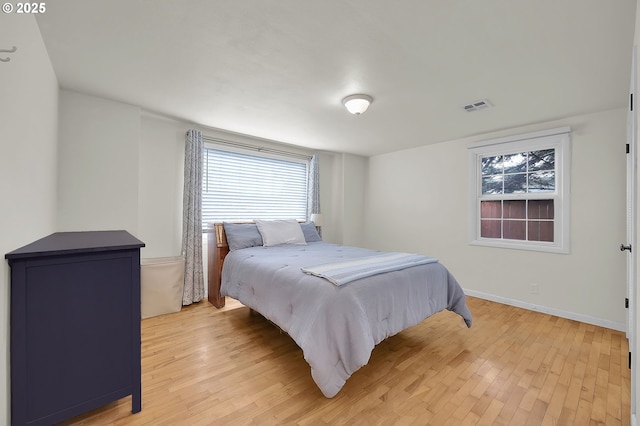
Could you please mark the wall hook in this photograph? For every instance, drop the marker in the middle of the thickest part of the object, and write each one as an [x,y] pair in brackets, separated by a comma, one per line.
[7,51]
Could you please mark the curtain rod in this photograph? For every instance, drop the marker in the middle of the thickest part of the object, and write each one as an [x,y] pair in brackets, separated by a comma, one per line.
[256,148]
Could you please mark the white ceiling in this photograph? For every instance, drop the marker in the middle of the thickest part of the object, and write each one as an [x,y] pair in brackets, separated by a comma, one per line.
[278,69]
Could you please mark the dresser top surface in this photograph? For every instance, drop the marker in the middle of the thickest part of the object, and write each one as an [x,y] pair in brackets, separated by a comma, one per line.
[60,243]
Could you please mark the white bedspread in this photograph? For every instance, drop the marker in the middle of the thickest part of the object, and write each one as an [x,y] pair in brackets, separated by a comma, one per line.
[343,272]
[337,327]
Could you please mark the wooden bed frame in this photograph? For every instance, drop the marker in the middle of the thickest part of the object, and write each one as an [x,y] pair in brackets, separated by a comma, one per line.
[217,250]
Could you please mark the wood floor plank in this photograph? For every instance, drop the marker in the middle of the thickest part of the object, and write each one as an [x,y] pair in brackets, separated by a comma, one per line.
[204,366]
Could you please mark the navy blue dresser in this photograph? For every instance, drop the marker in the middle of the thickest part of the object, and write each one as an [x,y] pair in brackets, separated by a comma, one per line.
[75,325]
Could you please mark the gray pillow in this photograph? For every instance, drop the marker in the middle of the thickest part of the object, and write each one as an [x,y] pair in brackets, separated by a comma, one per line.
[310,232]
[241,236]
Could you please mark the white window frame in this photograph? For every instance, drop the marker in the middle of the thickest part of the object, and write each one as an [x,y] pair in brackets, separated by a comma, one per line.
[558,139]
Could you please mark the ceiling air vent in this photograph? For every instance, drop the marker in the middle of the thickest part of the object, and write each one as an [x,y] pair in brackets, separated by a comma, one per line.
[474,106]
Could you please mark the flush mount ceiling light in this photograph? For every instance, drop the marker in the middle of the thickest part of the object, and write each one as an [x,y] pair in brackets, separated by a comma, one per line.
[357,104]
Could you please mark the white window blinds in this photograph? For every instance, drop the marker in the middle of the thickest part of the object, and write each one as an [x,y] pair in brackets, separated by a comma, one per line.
[243,187]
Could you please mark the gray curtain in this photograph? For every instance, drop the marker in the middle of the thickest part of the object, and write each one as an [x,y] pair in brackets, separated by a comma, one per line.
[192,219]
[313,198]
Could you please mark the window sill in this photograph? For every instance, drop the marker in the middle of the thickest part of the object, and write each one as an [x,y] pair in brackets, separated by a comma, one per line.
[518,245]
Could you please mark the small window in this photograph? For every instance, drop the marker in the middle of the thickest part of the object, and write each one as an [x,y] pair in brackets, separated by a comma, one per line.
[519,191]
[238,186]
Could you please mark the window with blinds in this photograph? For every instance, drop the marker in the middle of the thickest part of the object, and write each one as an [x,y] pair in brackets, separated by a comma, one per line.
[242,187]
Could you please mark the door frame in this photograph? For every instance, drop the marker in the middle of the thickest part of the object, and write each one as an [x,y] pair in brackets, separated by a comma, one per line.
[632,278]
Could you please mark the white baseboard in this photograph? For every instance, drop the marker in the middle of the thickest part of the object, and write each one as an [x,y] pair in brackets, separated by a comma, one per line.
[551,311]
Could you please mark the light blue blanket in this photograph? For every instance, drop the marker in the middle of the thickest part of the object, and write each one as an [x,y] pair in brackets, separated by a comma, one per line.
[337,327]
[343,272]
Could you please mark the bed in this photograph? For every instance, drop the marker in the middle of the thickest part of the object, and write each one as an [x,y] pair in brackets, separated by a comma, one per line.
[336,324]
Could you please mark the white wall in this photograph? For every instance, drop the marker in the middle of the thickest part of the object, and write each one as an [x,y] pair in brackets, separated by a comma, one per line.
[342,184]
[332,217]
[416,200]
[355,175]
[122,168]
[160,168]
[28,119]
[98,164]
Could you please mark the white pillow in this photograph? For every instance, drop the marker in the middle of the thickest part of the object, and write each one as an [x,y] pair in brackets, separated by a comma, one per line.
[276,232]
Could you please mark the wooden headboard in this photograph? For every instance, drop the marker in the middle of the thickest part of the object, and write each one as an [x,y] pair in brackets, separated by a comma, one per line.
[217,250]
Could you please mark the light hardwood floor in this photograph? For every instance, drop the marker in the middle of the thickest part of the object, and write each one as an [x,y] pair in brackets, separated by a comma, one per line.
[204,366]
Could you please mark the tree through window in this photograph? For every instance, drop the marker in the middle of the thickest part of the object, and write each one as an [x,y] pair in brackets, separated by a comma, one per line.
[519,191]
